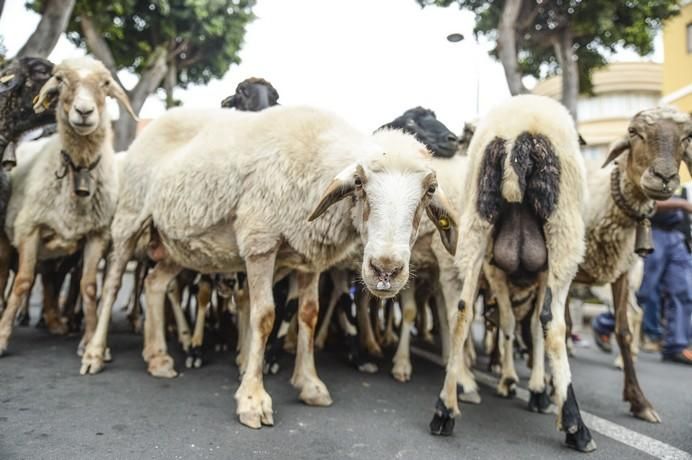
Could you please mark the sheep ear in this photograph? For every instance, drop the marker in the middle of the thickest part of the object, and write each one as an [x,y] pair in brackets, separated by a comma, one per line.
[617,150]
[443,215]
[229,102]
[116,91]
[340,187]
[48,90]
[10,82]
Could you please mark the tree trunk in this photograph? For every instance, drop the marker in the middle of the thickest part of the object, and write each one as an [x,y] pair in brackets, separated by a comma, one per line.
[567,58]
[2,6]
[125,126]
[56,15]
[507,46]
[169,84]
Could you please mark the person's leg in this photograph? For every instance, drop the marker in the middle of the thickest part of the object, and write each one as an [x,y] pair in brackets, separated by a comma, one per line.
[603,327]
[649,295]
[676,282]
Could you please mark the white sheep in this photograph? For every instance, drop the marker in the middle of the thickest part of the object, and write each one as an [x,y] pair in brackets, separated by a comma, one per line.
[225,192]
[63,195]
[522,216]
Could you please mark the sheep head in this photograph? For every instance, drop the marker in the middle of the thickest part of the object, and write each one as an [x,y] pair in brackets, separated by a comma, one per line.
[20,82]
[81,86]
[390,193]
[252,95]
[657,141]
[424,125]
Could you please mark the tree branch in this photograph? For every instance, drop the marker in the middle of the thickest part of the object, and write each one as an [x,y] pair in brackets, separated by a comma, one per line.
[49,29]
[507,46]
[97,45]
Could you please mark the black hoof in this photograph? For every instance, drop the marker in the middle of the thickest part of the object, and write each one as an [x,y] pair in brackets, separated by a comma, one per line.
[442,423]
[194,358]
[539,402]
[578,436]
[581,440]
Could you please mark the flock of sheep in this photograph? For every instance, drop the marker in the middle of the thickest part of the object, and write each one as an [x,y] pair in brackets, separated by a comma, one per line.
[254,204]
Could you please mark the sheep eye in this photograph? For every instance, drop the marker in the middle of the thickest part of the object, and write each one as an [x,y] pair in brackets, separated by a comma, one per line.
[106,83]
[59,78]
[431,189]
[358,182]
[635,133]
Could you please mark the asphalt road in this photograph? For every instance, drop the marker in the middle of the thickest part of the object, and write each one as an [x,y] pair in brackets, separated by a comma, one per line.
[48,411]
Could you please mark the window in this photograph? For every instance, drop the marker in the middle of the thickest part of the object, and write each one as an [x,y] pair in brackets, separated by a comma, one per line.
[689,37]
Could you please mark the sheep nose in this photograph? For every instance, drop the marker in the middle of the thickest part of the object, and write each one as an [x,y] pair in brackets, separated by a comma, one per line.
[666,176]
[452,138]
[84,111]
[385,269]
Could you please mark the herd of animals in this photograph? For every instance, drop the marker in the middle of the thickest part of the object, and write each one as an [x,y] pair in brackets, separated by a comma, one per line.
[266,213]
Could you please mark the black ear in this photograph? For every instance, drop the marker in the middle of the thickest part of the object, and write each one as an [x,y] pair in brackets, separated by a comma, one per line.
[618,149]
[230,102]
[10,81]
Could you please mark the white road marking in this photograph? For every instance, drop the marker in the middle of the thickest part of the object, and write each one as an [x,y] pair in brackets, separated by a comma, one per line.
[641,442]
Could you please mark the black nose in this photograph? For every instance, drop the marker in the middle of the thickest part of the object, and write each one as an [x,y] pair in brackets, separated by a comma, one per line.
[84,112]
[452,138]
[666,176]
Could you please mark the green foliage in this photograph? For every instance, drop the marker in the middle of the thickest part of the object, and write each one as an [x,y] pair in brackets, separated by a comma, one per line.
[201,37]
[598,28]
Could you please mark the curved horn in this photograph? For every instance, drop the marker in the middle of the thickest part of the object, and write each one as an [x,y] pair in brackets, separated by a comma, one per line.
[116,91]
[617,150]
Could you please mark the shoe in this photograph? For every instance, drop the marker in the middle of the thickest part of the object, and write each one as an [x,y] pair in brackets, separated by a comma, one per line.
[579,341]
[682,357]
[601,337]
[650,345]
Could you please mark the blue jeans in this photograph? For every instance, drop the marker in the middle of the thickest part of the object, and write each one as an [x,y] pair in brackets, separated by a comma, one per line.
[667,282]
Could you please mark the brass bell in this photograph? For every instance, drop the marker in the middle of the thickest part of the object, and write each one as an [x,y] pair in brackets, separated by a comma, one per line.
[82,182]
[9,157]
[643,244]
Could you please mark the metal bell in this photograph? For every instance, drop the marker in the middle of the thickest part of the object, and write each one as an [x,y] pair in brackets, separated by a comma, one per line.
[9,157]
[82,182]
[643,243]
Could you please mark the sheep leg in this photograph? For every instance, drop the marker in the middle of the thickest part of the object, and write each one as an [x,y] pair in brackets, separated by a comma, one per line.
[423,294]
[552,318]
[539,400]
[390,338]
[366,334]
[95,351]
[321,336]
[635,316]
[312,390]
[5,260]
[194,357]
[639,406]
[442,324]
[28,252]
[402,360]
[174,295]
[243,323]
[71,305]
[155,351]
[135,314]
[253,403]
[93,252]
[459,313]
[52,278]
[497,282]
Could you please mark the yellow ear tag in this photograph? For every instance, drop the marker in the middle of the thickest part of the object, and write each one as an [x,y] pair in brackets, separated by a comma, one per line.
[46,102]
[443,223]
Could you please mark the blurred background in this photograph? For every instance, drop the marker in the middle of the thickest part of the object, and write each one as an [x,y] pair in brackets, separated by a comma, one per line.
[369,61]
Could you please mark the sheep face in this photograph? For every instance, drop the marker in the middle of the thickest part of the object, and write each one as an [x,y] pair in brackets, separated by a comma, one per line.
[81,86]
[252,95]
[424,125]
[657,141]
[389,204]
